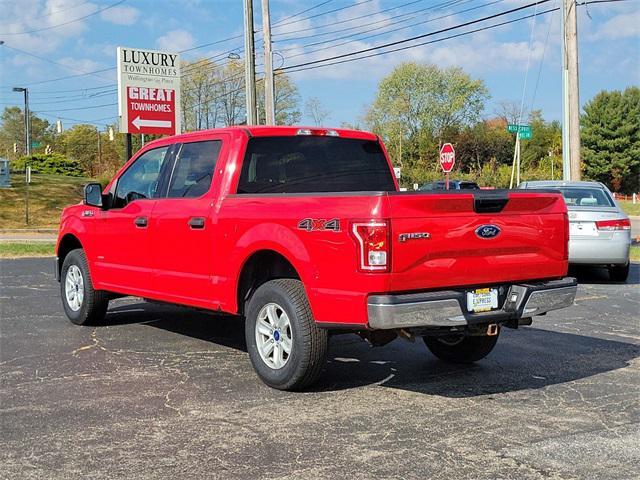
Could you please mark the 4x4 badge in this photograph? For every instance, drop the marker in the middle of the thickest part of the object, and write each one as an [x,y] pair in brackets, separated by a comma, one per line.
[314,225]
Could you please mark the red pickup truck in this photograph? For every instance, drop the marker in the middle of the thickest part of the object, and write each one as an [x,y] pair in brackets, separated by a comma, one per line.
[304,232]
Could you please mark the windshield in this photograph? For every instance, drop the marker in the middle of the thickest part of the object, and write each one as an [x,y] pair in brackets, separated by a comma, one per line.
[307,164]
[586,197]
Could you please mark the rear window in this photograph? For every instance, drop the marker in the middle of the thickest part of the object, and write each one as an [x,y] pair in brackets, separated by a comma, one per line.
[309,164]
[586,197]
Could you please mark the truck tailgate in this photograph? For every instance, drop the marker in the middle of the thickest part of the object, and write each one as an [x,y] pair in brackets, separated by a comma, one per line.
[531,239]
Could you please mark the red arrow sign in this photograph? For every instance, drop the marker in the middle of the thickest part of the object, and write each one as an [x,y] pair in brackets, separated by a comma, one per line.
[151,110]
[447,157]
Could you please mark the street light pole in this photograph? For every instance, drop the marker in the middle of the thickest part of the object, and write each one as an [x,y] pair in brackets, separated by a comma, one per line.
[27,120]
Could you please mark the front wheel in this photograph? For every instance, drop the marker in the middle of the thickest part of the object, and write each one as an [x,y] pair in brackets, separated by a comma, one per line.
[619,273]
[461,349]
[286,347]
[82,304]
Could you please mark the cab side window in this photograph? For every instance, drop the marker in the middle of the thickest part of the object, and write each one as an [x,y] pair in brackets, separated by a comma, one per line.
[141,179]
[194,168]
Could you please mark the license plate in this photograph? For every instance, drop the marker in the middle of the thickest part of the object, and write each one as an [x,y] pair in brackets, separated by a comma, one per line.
[482,300]
[584,229]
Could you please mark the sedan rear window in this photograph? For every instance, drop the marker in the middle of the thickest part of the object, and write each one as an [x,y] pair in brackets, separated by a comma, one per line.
[313,164]
[586,197]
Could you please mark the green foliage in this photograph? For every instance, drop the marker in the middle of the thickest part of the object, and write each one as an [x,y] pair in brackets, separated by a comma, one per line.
[51,164]
[12,131]
[611,139]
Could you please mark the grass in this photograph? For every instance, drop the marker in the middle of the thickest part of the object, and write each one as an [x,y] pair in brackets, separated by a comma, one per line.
[629,208]
[34,249]
[48,195]
[634,254]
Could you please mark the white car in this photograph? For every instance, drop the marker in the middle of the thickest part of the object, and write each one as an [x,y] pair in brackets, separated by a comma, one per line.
[599,231]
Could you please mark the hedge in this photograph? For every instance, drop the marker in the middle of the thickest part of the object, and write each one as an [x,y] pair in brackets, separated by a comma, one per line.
[51,164]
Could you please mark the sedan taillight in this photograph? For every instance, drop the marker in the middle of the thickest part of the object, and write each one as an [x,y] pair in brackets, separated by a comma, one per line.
[610,225]
[374,246]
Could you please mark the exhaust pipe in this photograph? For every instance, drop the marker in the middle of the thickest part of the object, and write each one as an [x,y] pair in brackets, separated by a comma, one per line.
[492,330]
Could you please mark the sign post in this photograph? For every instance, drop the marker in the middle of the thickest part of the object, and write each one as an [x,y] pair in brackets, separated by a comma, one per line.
[447,160]
[521,131]
[148,92]
[27,179]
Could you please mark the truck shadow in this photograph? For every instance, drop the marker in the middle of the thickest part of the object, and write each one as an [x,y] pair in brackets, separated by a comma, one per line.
[598,275]
[530,358]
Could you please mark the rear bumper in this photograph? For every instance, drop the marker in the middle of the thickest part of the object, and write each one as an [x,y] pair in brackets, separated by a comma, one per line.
[600,252]
[448,308]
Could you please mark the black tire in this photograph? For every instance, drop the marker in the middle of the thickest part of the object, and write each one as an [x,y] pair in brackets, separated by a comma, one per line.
[94,304]
[466,350]
[619,273]
[309,343]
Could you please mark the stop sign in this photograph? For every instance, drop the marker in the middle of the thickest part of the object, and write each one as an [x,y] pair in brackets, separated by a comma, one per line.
[447,157]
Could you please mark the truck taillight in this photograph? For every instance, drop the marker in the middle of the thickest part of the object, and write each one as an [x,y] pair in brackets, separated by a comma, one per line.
[374,246]
[609,225]
[566,237]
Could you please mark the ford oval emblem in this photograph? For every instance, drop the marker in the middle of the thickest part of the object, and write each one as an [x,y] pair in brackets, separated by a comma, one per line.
[487,231]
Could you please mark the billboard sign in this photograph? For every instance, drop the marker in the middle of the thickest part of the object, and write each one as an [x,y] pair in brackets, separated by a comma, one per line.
[148,91]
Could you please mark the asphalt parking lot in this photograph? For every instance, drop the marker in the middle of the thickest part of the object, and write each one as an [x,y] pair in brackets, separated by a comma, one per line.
[167,392]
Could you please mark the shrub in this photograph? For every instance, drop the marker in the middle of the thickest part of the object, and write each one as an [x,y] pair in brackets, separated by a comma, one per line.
[51,164]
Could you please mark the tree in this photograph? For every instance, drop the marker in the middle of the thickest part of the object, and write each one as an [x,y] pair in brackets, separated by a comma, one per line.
[425,97]
[12,131]
[313,108]
[610,131]
[417,107]
[287,100]
[81,145]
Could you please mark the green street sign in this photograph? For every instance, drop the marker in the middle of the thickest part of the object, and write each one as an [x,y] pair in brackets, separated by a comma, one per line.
[525,135]
[512,128]
[35,144]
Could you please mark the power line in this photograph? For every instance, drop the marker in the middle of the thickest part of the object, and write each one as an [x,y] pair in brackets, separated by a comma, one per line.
[66,23]
[544,50]
[384,20]
[488,27]
[61,10]
[279,24]
[49,60]
[417,37]
[385,32]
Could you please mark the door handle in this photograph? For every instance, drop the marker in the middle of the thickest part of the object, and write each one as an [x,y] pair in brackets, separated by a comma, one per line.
[141,222]
[196,222]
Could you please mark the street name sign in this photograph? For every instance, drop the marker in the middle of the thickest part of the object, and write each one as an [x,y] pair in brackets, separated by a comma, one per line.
[148,91]
[524,130]
[447,157]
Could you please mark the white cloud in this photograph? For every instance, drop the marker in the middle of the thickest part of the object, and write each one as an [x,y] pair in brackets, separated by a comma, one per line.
[176,41]
[121,15]
[35,18]
[620,26]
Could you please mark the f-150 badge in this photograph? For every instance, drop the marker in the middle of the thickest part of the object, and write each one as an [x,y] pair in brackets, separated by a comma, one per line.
[314,224]
[403,237]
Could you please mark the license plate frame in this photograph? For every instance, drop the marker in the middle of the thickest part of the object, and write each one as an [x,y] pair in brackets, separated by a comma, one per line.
[482,300]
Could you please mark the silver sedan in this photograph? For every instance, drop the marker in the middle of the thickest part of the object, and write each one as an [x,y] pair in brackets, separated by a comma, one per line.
[599,231]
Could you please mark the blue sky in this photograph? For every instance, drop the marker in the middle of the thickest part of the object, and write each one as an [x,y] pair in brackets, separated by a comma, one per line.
[609,48]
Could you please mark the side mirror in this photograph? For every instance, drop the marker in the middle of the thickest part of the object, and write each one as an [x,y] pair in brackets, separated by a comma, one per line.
[93,195]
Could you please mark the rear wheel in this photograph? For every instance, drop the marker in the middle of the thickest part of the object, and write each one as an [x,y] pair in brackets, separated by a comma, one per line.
[461,349]
[619,273]
[286,347]
[82,304]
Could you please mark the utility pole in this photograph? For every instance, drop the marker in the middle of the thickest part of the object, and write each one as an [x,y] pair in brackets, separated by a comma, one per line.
[249,64]
[570,93]
[269,83]
[27,120]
